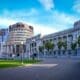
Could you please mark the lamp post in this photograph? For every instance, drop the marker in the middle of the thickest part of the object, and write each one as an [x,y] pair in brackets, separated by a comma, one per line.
[38,44]
[44,53]
[38,51]
[22,52]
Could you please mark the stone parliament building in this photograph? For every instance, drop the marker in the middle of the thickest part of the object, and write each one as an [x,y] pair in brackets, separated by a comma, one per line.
[22,34]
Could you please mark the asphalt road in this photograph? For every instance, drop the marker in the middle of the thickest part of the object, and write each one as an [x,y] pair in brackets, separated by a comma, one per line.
[50,69]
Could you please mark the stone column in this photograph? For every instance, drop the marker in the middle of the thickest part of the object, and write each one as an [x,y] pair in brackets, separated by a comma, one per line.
[8,49]
[57,45]
[15,48]
[29,51]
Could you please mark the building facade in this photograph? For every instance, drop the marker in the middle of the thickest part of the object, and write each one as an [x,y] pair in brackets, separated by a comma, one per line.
[18,33]
[3,39]
[69,36]
[19,39]
[32,45]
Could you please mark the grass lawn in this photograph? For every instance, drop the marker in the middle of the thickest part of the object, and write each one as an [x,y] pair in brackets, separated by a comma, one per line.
[15,63]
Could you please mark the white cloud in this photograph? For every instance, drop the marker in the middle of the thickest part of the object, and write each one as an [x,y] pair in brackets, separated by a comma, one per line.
[38,29]
[6,22]
[10,17]
[47,4]
[76,6]
[58,20]
[61,18]
[41,29]
[20,13]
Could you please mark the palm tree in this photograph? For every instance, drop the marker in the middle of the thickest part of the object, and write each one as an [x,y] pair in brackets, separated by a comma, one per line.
[60,43]
[73,47]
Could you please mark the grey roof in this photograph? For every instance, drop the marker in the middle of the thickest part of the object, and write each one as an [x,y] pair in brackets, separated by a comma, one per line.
[62,32]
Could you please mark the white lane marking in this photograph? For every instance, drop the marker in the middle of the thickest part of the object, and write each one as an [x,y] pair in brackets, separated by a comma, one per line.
[42,65]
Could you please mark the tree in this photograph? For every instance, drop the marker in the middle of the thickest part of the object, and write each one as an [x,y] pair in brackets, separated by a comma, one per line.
[78,41]
[65,47]
[49,46]
[34,56]
[60,43]
[73,46]
[41,48]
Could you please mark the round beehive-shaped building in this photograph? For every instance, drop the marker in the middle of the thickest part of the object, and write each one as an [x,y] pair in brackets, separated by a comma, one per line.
[19,32]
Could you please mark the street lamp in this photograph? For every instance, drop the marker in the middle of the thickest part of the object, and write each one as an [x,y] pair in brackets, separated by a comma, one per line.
[38,44]
[22,52]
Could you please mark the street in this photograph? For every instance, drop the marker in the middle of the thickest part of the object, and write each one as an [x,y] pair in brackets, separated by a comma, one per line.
[49,69]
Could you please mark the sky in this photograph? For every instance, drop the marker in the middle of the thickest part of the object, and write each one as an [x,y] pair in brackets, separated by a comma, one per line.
[46,16]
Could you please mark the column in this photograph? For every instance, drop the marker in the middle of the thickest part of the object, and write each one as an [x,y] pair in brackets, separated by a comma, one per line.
[15,49]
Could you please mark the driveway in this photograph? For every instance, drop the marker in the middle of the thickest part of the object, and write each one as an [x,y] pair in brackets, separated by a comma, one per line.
[49,69]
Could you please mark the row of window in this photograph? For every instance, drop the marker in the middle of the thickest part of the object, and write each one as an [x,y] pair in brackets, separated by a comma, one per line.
[55,40]
[17,39]
[19,29]
[33,44]
[14,32]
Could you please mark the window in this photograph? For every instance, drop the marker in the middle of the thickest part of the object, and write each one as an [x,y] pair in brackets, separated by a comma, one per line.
[44,42]
[51,40]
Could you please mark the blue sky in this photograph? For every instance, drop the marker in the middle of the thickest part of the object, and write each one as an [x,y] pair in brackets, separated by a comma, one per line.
[46,16]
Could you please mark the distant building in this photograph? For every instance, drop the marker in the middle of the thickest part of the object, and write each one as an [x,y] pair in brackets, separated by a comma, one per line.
[3,39]
[18,33]
[19,38]
[32,45]
[69,36]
